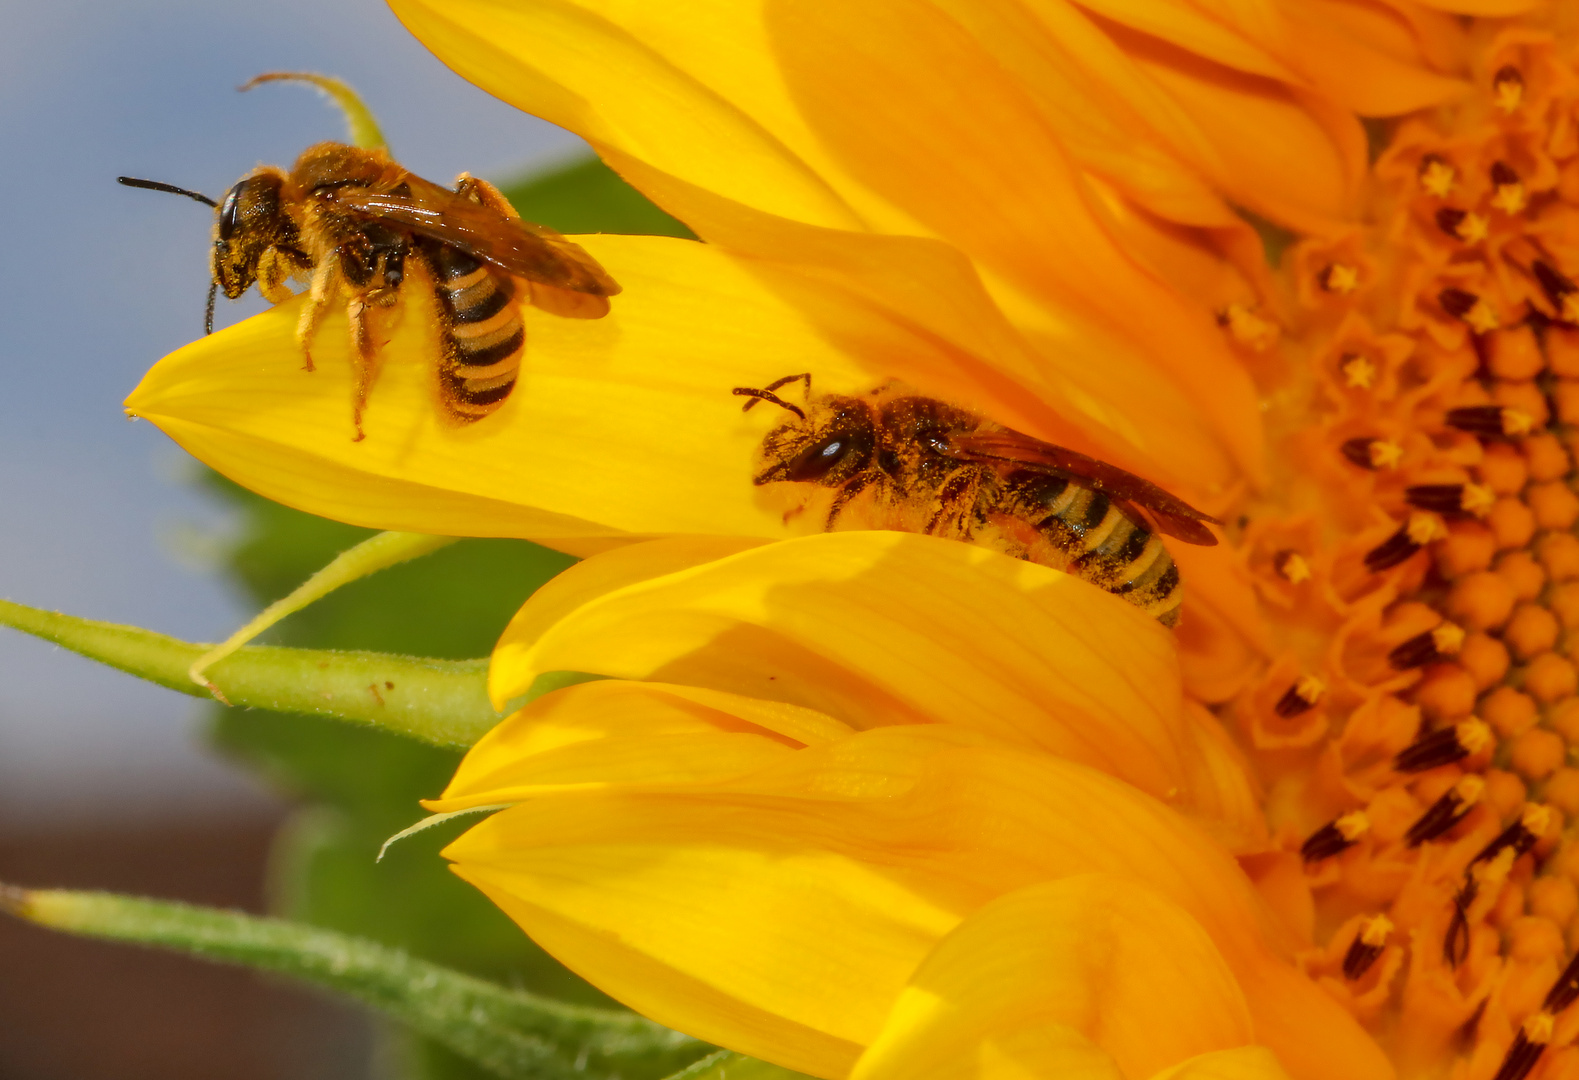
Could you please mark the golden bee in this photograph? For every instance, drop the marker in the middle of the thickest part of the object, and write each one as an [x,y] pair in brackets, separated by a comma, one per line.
[352,224]
[917,464]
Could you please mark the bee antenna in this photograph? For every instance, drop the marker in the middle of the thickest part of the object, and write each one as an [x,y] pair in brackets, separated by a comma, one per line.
[208,315]
[765,395]
[156,185]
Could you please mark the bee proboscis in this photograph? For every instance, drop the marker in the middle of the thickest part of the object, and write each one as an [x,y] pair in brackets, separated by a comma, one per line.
[352,223]
[918,464]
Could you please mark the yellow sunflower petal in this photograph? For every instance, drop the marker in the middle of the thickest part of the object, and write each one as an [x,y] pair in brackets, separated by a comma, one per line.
[1242,1063]
[888,628]
[781,912]
[1035,1048]
[617,732]
[1161,397]
[513,50]
[627,87]
[619,427]
[1124,967]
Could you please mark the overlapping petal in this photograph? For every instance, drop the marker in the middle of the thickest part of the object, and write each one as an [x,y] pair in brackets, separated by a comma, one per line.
[623,426]
[891,628]
[782,911]
[1133,976]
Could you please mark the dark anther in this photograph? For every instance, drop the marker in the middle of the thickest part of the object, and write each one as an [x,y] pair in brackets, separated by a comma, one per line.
[1502,174]
[1487,421]
[1507,75]
[1358,960]
[1448,219]
[1392,551]
[1442,815]
[1358,451]
[1432,750]
[1455,943]
[1566,990]
[1333,837]
[1457,302]
[1521,1058]
[1555,285]
[1418,651]
[1516,836]
[1445,499]
[1297,699]
[1367,945]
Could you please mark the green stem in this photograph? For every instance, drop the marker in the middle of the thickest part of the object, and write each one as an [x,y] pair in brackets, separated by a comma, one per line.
[512,1033]
[728,1065]
[444,702]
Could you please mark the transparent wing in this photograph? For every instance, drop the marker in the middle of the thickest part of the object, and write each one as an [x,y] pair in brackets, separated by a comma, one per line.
[1173,515]
[534,252]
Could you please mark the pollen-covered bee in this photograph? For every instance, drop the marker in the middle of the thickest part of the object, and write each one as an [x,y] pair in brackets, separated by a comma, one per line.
[898,461]
[353,224]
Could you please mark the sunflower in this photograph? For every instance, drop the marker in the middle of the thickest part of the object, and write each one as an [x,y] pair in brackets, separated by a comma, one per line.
[881,805]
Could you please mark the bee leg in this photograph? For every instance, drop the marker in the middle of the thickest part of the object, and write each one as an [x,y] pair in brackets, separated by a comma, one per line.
[852,487]
[481,191]
[956,499]
[363,358]
[325,281]
[274,270]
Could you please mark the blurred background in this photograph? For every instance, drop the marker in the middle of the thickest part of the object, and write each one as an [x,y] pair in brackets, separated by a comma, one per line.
[107,782]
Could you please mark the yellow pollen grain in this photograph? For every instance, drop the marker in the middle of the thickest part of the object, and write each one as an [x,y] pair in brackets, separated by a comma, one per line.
[1508,94]
[1570,311]
[1358,373]
[1473,229]
[1469,789]
[1353,825]
[1448,638]
[1437,179]
[1295,568]
[1424,528]
[1309,689]
[1538,1027]
[1248,328]
[1385,454]
[1537,819]
[1341,279]
[1514,421]
[1509,198]
[1474,735]
[1375,930]
[1481,318]
[1496,871]
[1477,499]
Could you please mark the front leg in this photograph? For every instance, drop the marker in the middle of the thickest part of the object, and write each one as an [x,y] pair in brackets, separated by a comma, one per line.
[325,284]
[851,488]
[275,268]
[956,502]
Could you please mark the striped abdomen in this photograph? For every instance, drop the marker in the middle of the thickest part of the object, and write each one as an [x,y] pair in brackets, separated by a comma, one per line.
[482,330]
[1106,546]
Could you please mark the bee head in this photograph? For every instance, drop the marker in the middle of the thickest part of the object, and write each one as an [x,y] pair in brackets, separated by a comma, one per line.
[251,219]
[831,443]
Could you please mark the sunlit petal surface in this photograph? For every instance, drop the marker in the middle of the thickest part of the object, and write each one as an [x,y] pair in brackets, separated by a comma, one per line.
[908,806]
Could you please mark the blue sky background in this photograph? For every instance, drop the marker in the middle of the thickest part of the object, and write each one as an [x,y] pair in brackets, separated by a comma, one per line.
[97,514]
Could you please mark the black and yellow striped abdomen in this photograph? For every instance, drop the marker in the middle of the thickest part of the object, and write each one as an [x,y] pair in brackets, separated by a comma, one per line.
[1104,545]
[483,334]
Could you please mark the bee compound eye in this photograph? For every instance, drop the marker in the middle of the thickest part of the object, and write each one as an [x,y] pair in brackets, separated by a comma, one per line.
[820,458]
[227,213]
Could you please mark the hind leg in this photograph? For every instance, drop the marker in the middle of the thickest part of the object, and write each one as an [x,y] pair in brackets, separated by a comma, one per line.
[485,193]
[326,280]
